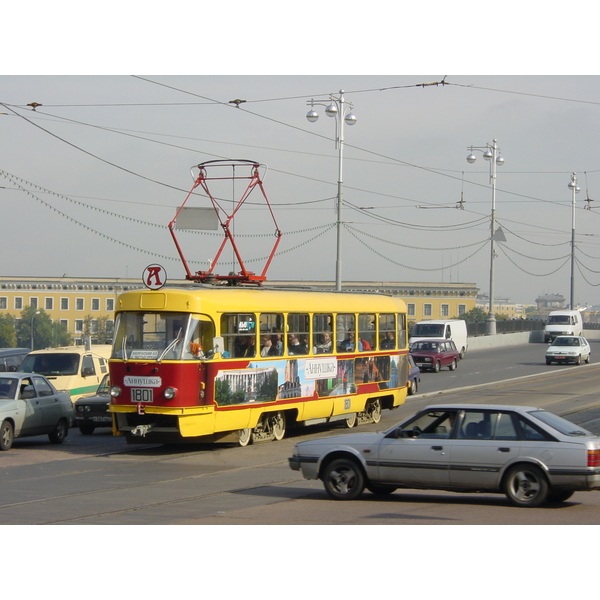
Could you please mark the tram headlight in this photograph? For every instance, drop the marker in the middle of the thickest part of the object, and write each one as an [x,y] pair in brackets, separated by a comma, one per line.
[115,391]
[170,393]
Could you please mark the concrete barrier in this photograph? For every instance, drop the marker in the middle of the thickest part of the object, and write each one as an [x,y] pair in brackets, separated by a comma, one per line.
[502,340]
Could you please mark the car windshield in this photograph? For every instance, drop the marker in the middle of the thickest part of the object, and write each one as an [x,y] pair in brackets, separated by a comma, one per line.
[566,341]
[425,347]
[8,387]
[559,319]
[428,330]
[565,427]
[59,363]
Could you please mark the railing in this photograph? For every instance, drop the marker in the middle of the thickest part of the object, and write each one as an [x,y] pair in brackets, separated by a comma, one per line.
[478,328]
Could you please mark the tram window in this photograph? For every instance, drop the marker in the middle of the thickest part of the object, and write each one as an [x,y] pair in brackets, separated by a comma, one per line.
[345,332]
[366,332]
[402,330]
[298,333]
[387,331]
[271,326]
[239,334]
[322,333]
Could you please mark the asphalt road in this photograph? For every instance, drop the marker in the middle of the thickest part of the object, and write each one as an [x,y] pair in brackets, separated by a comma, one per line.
[99,480]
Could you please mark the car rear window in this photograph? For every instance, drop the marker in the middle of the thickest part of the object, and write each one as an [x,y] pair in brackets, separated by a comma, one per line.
[562,425]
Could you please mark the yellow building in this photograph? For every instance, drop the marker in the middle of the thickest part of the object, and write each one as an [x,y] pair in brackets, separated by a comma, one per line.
[72,300]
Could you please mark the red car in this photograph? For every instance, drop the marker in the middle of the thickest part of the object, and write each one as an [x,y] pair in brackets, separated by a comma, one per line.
[434,354]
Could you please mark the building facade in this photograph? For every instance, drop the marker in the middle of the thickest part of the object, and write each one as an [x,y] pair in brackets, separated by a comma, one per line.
[73,300]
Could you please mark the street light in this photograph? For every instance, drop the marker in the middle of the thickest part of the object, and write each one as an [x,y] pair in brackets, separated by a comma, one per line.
[491,153]
[37,312]
[574,190]
[342,111]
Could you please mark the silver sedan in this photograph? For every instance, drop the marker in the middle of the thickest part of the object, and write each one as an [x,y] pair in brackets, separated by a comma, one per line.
[529,454]
[30,405]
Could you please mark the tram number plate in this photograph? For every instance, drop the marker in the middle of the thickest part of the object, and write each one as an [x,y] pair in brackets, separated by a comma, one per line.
[142,395]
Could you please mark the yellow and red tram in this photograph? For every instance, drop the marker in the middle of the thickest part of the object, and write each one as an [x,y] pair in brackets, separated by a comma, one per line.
[227,363]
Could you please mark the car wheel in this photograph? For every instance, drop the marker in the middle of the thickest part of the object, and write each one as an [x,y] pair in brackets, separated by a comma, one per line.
[343,479]
[381,489]
[86,428]
[578,360]
[60,433]
[525,485]
[548,361]
[413,387]
[7,435]
[561,496]
[588,359]
[436,367]
[452,365]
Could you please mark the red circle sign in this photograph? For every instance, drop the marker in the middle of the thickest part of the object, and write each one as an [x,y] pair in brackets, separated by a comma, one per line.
[154,277]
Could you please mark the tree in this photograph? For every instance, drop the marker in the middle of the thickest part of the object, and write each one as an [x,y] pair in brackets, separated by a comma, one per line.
[46,333]
[475,315]
[8,336]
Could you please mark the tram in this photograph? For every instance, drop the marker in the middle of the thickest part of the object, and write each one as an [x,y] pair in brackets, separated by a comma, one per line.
[228,363]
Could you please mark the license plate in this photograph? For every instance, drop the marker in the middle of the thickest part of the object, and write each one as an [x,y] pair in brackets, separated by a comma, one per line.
[102,419]
[142,395]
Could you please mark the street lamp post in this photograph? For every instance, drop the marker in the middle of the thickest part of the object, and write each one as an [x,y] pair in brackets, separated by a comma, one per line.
[491,153]
[574,190]
[342,111]
[37,312]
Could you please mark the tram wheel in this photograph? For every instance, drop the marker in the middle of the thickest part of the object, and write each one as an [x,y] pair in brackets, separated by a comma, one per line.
[374,410]
[278,425]
[351,421]
[245,437]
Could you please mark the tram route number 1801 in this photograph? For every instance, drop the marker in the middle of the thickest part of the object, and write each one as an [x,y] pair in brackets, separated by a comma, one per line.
[142,395]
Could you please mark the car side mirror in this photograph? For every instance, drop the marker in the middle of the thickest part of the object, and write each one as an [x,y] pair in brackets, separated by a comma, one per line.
[87,372]
[28,393]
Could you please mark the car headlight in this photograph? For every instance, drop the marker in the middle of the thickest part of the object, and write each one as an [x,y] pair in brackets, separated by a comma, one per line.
[170,393]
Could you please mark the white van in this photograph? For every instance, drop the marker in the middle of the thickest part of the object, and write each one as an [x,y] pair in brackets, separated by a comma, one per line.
[75,369]
[449,329]
[563,322]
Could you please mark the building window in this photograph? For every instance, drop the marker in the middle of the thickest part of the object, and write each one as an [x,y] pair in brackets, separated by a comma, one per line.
[445,312]
[33,302]
[48,303]
[462,309]
[3,303]
[411,310]
[110,304]
[95,303]
[65,323]
[78,303]
[64,304]
[78,325]
[426,310]
[18,303]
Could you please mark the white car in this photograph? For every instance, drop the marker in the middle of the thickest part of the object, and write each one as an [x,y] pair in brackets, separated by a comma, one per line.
[568,348]
[30,405]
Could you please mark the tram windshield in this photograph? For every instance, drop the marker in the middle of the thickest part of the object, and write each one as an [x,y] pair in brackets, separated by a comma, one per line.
[162,336]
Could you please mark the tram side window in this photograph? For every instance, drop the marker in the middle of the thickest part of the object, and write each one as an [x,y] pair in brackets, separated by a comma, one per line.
[345,332]
[271,337]
[298,328]
[239,334]
[366,332]
[387,331]
[402,330]
[322,333]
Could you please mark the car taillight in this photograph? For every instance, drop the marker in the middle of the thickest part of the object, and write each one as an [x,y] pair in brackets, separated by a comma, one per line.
[593,458]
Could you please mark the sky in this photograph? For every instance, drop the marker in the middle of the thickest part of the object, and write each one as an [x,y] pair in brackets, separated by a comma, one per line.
[92,177]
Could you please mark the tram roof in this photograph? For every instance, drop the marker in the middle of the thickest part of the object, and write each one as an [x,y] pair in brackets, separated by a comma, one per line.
[216,299]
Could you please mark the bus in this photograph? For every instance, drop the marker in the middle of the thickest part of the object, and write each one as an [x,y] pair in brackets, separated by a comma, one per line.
[240,364]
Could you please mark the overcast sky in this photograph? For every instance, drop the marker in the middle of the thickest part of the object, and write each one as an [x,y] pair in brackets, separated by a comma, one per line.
[92,177]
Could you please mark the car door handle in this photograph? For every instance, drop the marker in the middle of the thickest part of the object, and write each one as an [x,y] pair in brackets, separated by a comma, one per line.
[437,447]
[503,449]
